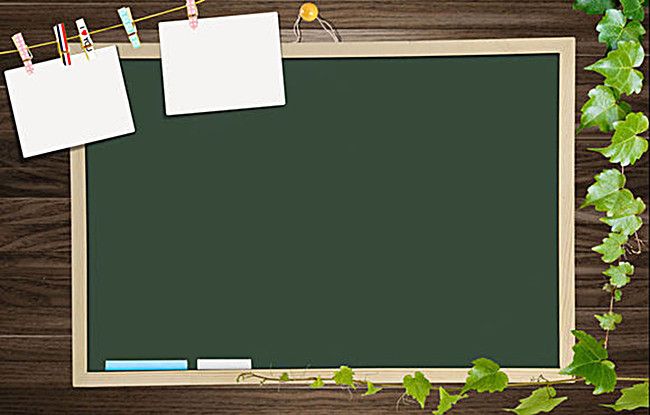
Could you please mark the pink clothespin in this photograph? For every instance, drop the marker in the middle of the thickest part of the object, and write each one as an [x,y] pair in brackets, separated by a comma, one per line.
[24,52]
[62,44]
[192,13]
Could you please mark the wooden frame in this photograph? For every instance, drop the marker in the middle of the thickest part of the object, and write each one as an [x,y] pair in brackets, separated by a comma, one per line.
[564,47]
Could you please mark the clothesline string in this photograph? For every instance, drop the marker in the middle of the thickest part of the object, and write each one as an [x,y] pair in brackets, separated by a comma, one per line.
[105,29]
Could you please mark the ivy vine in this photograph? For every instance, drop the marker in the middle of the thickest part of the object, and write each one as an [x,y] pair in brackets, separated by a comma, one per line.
[621,30]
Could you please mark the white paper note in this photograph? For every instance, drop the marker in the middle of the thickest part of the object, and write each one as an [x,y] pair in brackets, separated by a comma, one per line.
[221,364]
[226,63]
[60,106]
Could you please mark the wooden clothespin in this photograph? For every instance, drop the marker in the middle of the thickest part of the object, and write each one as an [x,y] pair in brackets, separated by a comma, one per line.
[84,38]
[62,44]
[24,52]
[129,26]
[192,13]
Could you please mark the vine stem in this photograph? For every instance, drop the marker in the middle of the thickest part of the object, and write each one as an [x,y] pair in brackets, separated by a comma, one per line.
[539,383]
[632,379]
[264,378]
[611,310]
[639,245]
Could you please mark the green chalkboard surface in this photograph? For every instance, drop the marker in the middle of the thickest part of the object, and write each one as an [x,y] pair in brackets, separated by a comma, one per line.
[397,212]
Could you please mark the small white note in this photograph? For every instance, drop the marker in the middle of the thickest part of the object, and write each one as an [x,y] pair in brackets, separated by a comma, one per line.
[222,364]
[60,106]
[226,63]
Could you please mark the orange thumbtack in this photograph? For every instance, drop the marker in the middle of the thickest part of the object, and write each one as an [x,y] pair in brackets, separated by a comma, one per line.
[308,12]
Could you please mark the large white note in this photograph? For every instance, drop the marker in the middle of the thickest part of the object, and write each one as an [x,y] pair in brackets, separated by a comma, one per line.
[226,63]
[60,106]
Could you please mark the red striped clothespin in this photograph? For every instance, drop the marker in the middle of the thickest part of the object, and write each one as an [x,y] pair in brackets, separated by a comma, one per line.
[192,13]
[62,44]
[84,38]
[24,52]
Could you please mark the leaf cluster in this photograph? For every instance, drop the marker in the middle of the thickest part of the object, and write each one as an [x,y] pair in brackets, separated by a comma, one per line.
[484,376]
[622,31]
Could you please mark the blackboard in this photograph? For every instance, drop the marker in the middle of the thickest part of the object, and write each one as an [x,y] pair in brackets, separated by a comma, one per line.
[397,212]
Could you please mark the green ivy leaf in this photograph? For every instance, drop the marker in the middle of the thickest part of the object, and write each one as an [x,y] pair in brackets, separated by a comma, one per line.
[602,109]
[622,210]
[541,400]
[619,275]
[593,6]
[609,320]
[317,384]
[485,376]
[631,398]
[612,29]
[447,401]
[619,204]
[418,387]
[618,294]
[371,389]
[625,225]
[284,377]
[612,247]
[618,67]
[344,376]
[608,183]
[633,9]
[590,362]
[627,146]
[624,204]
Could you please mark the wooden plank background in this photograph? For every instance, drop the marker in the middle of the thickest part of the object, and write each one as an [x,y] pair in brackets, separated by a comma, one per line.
[35,349]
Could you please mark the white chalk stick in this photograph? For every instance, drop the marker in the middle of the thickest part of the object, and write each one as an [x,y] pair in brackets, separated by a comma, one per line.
[212,364]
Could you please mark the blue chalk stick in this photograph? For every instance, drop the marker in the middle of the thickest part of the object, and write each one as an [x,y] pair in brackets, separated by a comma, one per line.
[113,365]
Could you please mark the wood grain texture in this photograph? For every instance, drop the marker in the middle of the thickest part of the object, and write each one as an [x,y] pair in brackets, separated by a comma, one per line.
[35,373]
[198,400]
[356,20]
